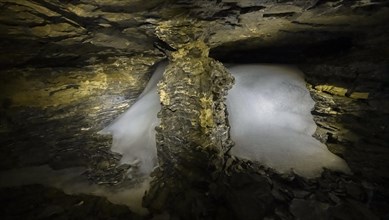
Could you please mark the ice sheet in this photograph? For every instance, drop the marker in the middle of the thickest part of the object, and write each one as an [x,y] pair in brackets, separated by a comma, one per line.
[133,132]
[271,122]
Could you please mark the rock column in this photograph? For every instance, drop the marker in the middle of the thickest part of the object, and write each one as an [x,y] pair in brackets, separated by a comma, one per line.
[193,135]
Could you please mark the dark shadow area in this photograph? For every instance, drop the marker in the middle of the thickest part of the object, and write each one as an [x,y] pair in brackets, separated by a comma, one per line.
[39,202]
[246,51]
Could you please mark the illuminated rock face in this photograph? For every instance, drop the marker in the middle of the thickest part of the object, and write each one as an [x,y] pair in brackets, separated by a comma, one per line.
[269,114]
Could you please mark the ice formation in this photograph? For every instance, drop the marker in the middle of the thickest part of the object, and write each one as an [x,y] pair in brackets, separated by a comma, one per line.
[133,133]
[269,112]
[270,117]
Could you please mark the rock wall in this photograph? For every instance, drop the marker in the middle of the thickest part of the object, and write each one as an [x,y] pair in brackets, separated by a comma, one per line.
[352,118]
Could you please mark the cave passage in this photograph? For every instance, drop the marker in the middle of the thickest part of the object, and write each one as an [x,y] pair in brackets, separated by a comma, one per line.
[269,113]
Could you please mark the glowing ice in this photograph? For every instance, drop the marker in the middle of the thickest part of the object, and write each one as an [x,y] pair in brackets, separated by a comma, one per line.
[270,120]
[269,112]
[133,132]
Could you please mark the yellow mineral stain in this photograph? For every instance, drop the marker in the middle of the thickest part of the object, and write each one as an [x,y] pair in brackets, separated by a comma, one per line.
[206,116]
[339,91]
[54,30]
[359,95]
[164,97]
[52,91]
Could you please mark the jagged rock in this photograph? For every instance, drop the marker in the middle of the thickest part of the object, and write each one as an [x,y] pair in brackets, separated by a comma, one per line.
[193,137]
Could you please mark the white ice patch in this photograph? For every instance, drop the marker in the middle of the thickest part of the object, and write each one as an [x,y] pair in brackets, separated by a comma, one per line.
[269,112]
[270,116]
[133,133]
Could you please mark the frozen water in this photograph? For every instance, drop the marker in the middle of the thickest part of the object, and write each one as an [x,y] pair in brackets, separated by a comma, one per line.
[269,112]
[133,132]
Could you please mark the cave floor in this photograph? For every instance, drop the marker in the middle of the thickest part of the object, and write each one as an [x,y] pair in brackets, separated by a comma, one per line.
[40,202]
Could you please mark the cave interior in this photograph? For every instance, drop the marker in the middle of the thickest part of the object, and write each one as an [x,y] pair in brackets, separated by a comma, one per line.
[69,68]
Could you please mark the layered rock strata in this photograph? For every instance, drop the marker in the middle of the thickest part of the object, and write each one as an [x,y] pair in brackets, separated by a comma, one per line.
[193,135]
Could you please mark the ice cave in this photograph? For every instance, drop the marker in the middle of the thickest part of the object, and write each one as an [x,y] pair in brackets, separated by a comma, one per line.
[269,112]
[194,110]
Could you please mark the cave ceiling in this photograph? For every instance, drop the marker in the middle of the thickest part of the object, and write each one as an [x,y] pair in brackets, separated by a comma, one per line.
[80,32]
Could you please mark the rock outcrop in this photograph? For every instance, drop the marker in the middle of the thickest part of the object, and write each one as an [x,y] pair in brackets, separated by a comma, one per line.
[193,135]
